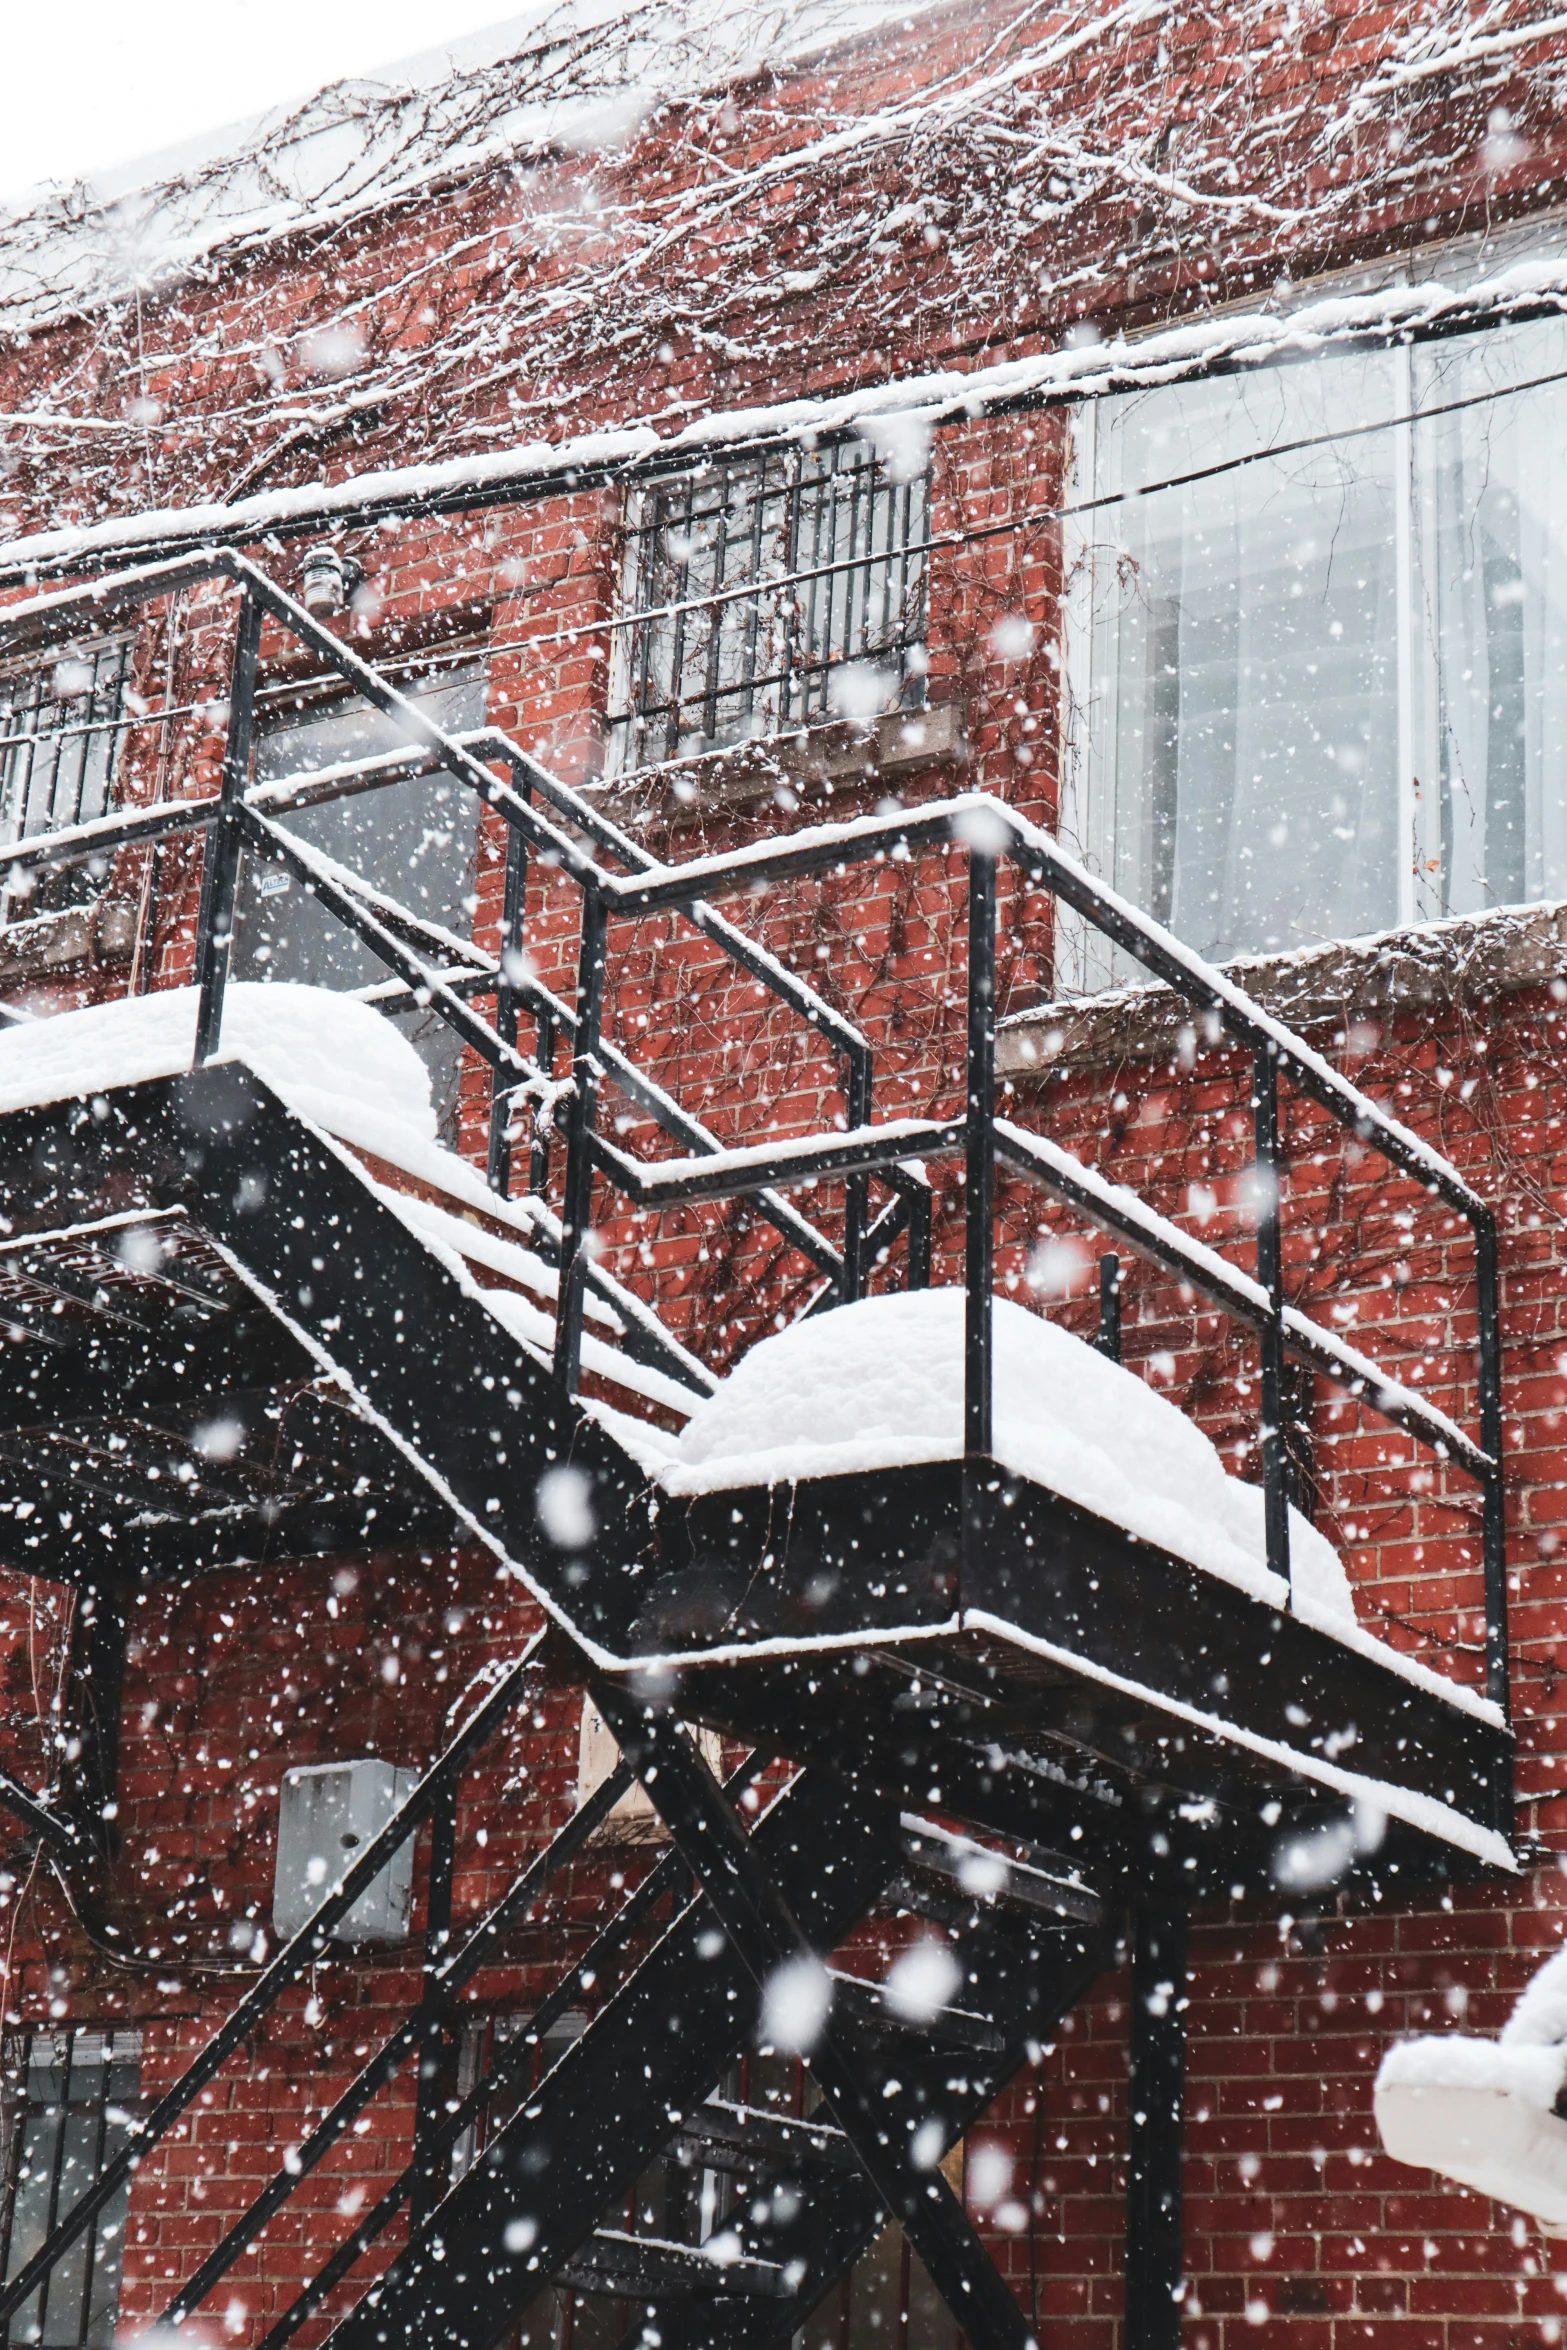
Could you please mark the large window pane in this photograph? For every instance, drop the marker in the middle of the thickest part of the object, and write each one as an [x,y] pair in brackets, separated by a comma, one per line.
[1318,688]
[1493,510]
[414,840]
[1243,715]
[70,2101]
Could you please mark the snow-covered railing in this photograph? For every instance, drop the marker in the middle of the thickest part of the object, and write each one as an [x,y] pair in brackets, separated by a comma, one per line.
[987,831]
[442,971]
[1231,342]
[419,955]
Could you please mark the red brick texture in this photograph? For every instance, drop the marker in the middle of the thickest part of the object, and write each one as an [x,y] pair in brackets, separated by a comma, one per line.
[1299,2232]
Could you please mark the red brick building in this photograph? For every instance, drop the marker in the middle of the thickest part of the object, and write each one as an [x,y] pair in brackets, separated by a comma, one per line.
[1142,417]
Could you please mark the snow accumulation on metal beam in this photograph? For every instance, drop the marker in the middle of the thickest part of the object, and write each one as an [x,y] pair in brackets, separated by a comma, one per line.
[538,470]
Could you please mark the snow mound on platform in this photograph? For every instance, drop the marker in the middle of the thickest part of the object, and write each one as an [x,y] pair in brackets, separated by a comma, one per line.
[338,1062]
[1481,2111]
[879,1384]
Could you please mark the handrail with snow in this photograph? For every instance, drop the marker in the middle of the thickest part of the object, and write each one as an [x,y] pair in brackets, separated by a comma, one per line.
[574,837]
[430,749]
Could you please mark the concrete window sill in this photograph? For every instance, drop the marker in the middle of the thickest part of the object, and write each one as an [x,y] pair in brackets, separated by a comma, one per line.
[814,765]
[70,940]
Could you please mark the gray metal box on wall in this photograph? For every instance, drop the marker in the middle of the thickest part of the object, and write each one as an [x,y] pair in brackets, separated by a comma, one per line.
[328,1813]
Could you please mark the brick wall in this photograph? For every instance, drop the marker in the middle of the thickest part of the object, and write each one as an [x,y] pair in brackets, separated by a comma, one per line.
[1298,2230]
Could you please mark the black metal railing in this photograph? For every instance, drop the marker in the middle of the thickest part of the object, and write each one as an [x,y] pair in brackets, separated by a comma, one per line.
[427,2032]
[575,838]
[434,1794]
[430,965]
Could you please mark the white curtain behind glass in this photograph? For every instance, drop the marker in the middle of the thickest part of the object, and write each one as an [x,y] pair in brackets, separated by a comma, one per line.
[1326,691]
[1493,558]
[1252,643]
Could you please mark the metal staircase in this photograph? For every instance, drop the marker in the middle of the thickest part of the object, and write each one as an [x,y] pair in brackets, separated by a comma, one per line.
[941,1648]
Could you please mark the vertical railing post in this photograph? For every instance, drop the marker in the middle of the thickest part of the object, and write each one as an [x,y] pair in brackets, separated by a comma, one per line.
[503,1084]
[220,860]
[1155,2098]
[918,1269]
[856,1205]
[436,2045]
[1268,1181]
[544,1041]
[1488,1314]
[578,1205]
[1108,1340]
[979,1152]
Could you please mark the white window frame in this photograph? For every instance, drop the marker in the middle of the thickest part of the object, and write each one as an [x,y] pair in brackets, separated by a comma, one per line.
[1085,964]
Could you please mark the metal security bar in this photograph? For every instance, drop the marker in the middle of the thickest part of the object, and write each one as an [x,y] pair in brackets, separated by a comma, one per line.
[61,728]
[750,584]
[69,2104]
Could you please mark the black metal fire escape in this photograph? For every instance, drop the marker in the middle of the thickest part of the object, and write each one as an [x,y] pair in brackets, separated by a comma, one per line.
[948,1643]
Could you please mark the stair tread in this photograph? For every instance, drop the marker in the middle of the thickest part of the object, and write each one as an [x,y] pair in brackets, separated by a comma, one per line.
[772,2137]
[959,2026]
[617,2260]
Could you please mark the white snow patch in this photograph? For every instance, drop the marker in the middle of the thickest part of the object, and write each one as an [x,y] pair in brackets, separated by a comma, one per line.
[1457,2060]
[1481,2111]
[796,1998]
[343,1066]
[922,1981]
[536,1331]
[989,2174]
[478,1247]
[649,1447]
[564,1501]
[334,1060]
[879,1384]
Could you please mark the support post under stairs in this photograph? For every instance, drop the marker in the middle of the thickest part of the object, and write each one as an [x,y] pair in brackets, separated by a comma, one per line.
[760,1924]
[1156,2096]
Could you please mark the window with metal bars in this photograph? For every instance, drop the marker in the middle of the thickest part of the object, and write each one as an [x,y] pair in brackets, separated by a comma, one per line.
[763,593]
[62,725]
[68,2100]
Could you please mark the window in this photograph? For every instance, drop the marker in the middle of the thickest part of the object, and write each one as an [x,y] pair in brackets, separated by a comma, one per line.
[1319,694]
[61,728]
[415,840]
[68,2099]
[634,1819]
[548,2325]
[830,539]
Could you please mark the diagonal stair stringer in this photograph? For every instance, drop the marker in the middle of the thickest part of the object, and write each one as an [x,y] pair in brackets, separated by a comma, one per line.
[615,2097]
[406,1335]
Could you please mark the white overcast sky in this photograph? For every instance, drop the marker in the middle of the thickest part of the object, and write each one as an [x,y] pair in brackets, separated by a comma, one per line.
[89,84]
